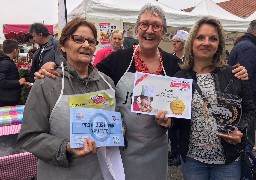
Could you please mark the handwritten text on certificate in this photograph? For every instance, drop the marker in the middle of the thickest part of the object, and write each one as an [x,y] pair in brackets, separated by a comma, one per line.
[103,126]
[152,93]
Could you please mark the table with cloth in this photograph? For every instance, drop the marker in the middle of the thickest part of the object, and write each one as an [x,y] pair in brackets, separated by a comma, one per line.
[15,163]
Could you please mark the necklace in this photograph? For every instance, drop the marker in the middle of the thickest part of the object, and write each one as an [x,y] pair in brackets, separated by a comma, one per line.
[142,67]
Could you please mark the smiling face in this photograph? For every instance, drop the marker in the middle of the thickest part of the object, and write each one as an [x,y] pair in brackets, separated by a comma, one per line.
[79,54]
[206,43]
[145,101]
[117,40]
[149,39]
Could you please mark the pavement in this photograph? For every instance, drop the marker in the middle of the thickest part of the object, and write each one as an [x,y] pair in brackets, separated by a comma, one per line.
[175,173]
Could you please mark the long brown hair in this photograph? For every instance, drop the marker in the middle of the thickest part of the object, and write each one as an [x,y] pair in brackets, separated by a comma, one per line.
[219,58]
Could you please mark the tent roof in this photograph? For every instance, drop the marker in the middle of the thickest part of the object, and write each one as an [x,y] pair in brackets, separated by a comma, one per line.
[123,9]
[128,11]
[241,8]
[24,28]
[210,8]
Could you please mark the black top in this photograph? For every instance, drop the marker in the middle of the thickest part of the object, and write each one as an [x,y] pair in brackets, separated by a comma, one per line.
[117,63]
[10,89]
[244,53]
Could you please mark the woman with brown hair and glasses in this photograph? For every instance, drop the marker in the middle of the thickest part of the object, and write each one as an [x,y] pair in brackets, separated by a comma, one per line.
[45,129]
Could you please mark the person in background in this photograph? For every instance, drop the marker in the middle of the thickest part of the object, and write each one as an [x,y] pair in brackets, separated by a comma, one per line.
[116,42]
[31,53]
[10,81]
[45,128]
[178,42]
[227,54]
[146,154]
[49,49]
[206,152]
[244,53]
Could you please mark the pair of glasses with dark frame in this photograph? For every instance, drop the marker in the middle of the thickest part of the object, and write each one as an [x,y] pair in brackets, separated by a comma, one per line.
[176,41]
[145,25]
[80,40]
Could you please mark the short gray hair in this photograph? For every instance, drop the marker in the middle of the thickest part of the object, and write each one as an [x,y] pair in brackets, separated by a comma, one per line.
[152,9]
[252,26]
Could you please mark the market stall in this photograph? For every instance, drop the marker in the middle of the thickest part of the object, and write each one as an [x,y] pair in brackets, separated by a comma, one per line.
[15,163]
[20,32]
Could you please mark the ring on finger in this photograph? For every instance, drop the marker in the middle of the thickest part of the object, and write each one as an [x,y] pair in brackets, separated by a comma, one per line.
[164,121]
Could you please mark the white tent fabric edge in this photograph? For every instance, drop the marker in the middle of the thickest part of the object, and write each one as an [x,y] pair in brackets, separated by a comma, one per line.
[252,16]
[128,11]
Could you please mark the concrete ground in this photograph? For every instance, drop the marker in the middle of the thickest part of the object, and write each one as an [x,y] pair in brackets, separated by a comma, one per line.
[175,173]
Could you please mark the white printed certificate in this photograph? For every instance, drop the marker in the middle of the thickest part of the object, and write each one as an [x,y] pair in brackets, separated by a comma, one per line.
[152,93]
[103,126]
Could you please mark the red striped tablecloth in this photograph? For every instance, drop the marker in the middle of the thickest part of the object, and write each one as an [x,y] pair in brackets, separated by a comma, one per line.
[13,129]
[18,166]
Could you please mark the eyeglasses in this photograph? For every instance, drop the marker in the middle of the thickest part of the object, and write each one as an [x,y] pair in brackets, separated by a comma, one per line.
[156,27]
[80,40]
[174,41]
[119,39]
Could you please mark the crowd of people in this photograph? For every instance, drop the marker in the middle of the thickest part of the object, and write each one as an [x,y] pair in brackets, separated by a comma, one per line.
[64,68]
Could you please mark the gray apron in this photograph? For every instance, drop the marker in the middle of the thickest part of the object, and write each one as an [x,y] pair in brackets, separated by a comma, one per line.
[87,167]
[146,155]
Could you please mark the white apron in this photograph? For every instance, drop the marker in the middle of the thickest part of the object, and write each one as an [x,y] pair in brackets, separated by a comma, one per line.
[146,155]
[91,167]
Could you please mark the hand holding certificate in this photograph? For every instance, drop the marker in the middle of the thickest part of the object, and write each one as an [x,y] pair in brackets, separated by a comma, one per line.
[153,93]
[88,147]
[89,118]
[105,127]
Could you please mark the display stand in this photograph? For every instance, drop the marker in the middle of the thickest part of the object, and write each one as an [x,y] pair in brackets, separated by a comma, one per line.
[15,163]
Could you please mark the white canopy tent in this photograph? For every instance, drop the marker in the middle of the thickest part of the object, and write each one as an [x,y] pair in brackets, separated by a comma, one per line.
[128,11]
[252,16]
